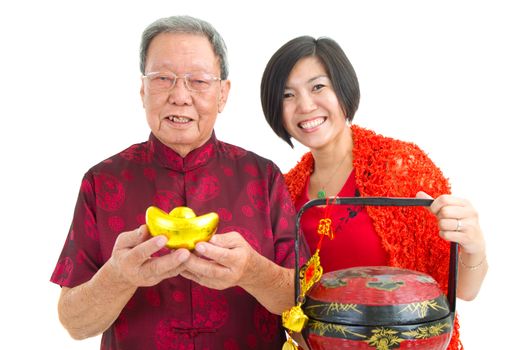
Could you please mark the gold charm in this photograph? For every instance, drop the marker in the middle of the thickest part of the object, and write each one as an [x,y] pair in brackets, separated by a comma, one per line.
[289,345]
[325,228]
[310,273]
[294,319]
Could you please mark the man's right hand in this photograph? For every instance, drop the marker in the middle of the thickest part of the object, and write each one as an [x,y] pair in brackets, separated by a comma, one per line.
[132,262]
[90,308]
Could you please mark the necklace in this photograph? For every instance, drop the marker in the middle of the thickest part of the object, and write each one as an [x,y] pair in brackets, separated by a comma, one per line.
[322,193]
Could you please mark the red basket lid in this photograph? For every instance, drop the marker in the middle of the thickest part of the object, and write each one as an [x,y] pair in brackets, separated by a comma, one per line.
[376,295]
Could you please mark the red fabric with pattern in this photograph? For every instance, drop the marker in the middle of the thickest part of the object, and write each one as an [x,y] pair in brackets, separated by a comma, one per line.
[179,314]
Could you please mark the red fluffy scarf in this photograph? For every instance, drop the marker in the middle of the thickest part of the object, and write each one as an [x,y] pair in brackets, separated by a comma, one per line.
[391,168]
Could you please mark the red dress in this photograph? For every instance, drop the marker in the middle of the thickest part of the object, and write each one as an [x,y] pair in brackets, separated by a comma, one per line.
[355,242]
[248,193]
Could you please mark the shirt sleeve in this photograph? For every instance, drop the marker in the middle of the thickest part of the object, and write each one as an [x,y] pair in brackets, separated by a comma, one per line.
[81,255]
[283,216]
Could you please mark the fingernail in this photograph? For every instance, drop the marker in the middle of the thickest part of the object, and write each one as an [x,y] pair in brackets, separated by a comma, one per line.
[183,255]
[161,241]
[138,231]
[200,248]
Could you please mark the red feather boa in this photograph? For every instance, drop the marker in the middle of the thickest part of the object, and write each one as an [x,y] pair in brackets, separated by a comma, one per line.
[391,168]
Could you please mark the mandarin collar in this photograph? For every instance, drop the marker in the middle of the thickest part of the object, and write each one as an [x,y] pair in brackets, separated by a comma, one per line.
[196,158]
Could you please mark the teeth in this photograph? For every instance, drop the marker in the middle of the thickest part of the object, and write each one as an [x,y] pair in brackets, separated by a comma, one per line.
[312,123]
[177,119]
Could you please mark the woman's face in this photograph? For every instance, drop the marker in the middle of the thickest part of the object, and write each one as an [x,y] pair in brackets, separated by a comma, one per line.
[311,111]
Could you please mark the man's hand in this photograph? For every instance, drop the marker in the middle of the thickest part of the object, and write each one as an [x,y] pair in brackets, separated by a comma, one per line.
[90,308]
[227,260]
[134,265]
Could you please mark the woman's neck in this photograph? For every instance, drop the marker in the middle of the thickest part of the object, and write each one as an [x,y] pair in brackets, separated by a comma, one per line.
[332,166]
[327,157]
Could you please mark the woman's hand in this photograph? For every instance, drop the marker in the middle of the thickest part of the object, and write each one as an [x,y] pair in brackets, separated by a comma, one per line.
[458,222]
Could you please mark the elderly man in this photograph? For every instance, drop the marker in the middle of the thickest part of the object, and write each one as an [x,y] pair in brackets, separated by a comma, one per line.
[118,280]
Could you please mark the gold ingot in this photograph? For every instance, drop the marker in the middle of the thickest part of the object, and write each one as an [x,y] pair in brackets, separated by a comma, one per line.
[182,212]
[181,226]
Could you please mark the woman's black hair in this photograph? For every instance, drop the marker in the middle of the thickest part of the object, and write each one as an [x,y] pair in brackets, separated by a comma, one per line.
[338,67]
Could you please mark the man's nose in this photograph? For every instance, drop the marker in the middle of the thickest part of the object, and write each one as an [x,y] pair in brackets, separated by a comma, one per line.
[179,94]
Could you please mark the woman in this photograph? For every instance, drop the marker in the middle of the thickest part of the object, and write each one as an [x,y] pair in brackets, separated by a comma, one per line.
[309,91]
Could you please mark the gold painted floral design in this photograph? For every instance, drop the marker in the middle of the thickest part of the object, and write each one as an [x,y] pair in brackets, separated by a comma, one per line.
[334,307]
[423,307]
[323,328]
[384,339]
[428,331]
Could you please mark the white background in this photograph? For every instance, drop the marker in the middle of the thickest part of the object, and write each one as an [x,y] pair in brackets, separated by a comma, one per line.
[450,76]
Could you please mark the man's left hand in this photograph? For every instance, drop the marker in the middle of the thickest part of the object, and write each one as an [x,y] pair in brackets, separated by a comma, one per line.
[227,260]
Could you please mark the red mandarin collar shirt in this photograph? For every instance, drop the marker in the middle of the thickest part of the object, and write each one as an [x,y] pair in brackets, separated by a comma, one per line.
[250,197]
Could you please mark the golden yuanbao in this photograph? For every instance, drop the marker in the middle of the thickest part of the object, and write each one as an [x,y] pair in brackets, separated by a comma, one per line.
[181,226]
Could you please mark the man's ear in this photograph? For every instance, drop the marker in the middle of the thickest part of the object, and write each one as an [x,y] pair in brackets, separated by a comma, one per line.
[225,86]
[142,93]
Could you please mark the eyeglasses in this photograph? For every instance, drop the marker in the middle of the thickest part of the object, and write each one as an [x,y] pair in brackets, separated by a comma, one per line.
[157,82]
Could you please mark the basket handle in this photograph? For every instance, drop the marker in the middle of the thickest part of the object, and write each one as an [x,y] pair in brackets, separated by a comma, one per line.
[385,202]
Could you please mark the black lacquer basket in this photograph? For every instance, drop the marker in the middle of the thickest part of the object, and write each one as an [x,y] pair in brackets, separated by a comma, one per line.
[377,307]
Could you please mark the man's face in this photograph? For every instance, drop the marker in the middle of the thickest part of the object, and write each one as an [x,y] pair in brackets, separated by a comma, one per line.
[181,119]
